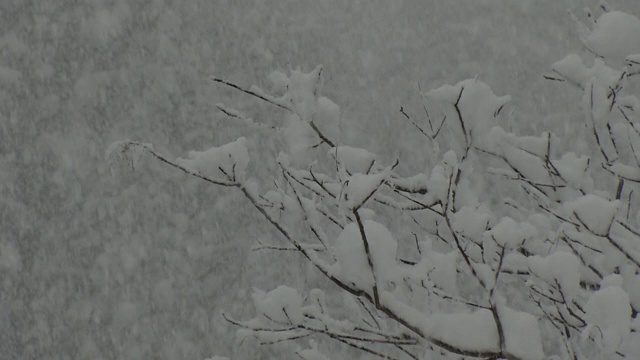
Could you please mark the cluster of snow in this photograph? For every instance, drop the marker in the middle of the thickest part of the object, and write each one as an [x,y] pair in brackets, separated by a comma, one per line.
[360,187]
[614,36]
[279,82]
[327,118]
[229,160]
[597,83]
[522,334]
[524,154]
[510,234]
[560,267]
[353,160]
[535,145]
[596,213]
[439,183]
[317,300]
[573,68]
[417,182]
[542,224]
[608,315]
[477,330]
[625,171]
[574,170]
[300,137]
[304,89]
[600,77]
[470,331]
[352,263]
[435,268]
[471,222]
[282,304]
[301,93]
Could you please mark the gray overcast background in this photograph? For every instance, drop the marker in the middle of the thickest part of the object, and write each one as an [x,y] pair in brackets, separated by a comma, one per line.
[139,265]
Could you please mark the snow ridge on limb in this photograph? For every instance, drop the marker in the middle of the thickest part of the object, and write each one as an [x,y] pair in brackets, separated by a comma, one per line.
[229,160]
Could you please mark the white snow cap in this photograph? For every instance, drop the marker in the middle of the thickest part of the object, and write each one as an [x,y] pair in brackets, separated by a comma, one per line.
[283,304]
[435,267]
[608,315]
[360,187]
[352,263]
[573,169]
[230,159]
[304,89]
[354,160]
[595,212]
[614,36]
[475,330]
[302,96]
[522,334]
[279,82]
[300,138]
[327,118]
[560,267]
[572,68]
[510,234]
[471,222]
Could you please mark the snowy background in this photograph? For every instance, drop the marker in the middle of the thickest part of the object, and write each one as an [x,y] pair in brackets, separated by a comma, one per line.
[96,264]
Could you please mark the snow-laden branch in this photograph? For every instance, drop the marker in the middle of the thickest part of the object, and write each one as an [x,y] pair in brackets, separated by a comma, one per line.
[550,270]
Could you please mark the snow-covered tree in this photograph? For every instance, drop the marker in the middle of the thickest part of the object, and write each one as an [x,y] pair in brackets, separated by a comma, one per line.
[505,246]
